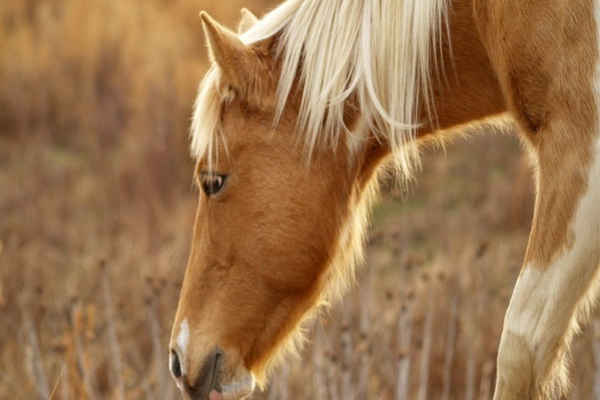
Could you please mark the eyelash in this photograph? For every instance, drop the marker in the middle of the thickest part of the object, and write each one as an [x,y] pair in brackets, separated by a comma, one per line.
[210,183]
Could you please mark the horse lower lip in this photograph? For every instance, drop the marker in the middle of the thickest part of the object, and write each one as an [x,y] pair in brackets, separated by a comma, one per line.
[239,388]
[214,395]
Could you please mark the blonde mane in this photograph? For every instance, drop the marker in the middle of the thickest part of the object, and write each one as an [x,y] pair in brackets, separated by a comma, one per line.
[378,51]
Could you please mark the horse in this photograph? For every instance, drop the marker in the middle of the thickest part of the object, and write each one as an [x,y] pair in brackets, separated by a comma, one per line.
[304,110]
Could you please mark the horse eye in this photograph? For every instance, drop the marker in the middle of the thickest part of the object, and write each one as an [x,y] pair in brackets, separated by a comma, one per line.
[211,183]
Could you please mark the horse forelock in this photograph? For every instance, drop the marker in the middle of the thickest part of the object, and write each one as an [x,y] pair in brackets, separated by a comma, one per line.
[207,115]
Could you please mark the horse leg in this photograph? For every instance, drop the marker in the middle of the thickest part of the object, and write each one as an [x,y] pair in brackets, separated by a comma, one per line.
[545,55]
[559,276]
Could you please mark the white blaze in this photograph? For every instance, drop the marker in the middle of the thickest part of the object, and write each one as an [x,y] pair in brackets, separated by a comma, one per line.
[183,338]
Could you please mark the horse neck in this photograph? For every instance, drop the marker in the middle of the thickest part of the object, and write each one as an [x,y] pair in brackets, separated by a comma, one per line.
[465,87]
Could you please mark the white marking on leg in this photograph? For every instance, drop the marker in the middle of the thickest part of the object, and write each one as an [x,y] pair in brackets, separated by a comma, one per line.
[545,293]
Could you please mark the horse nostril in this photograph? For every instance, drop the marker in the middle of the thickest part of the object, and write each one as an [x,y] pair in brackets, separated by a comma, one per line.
[175,365]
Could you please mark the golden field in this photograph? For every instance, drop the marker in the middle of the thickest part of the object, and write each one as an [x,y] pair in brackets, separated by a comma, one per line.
[97,207]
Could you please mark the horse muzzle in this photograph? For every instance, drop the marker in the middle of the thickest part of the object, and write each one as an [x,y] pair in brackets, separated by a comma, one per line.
[210,383]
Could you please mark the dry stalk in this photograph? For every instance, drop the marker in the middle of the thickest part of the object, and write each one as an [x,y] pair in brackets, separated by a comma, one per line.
[333,360]
[487,378]
[280,389]
[83,362]
[57,382]
[347,362]
[362,389]
[34,360]
[320,375]
[450,348]
[471,363]
[164,386]
[427,341]
[405,329]
[65,385]
[113,341]
[595,328]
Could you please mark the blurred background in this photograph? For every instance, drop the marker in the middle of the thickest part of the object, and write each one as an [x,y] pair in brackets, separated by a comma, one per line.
[97,207]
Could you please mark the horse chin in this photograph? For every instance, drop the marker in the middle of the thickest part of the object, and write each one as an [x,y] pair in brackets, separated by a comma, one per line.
[235,390]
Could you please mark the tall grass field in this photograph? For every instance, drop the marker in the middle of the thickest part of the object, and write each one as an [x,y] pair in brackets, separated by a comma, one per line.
[97,208]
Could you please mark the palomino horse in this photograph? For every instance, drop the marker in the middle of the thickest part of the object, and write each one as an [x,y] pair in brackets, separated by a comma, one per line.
[300,114]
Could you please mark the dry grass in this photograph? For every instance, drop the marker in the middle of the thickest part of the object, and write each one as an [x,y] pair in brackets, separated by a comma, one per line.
[96,211]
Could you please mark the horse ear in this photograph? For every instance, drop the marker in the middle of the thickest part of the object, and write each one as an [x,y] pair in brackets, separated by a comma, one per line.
[228,51]
[248,20]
